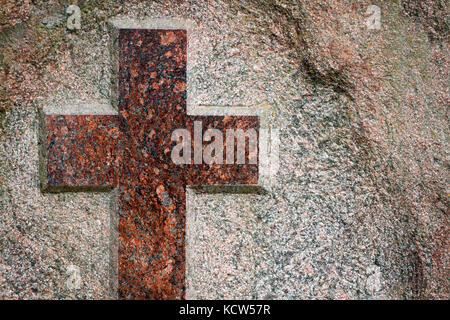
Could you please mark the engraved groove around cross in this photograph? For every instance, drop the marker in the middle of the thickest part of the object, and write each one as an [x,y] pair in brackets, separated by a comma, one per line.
[131,152]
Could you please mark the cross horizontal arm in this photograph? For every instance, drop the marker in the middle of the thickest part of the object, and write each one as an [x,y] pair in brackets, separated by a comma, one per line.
[80,152]
[224,174]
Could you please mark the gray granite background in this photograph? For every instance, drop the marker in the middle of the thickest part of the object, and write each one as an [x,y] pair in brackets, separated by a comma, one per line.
[356,210]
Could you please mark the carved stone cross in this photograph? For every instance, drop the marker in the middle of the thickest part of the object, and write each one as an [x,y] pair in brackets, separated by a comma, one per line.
[130,152]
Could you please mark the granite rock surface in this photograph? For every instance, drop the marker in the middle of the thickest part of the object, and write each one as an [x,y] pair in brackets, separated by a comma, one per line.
[359,206]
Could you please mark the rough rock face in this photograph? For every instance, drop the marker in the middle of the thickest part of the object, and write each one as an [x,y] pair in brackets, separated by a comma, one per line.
[359,207]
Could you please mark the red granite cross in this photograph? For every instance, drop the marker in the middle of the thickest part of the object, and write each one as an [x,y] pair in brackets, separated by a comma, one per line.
[131,151]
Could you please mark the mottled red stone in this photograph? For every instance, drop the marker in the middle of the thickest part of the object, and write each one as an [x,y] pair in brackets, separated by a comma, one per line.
[82,150]
[132,152]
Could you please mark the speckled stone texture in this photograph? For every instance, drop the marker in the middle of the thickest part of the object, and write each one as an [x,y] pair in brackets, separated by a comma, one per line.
[359,207]
[81,151]
[133,152]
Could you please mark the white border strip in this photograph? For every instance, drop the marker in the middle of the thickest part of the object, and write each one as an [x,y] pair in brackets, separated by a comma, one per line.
[153,23]
[78,107]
